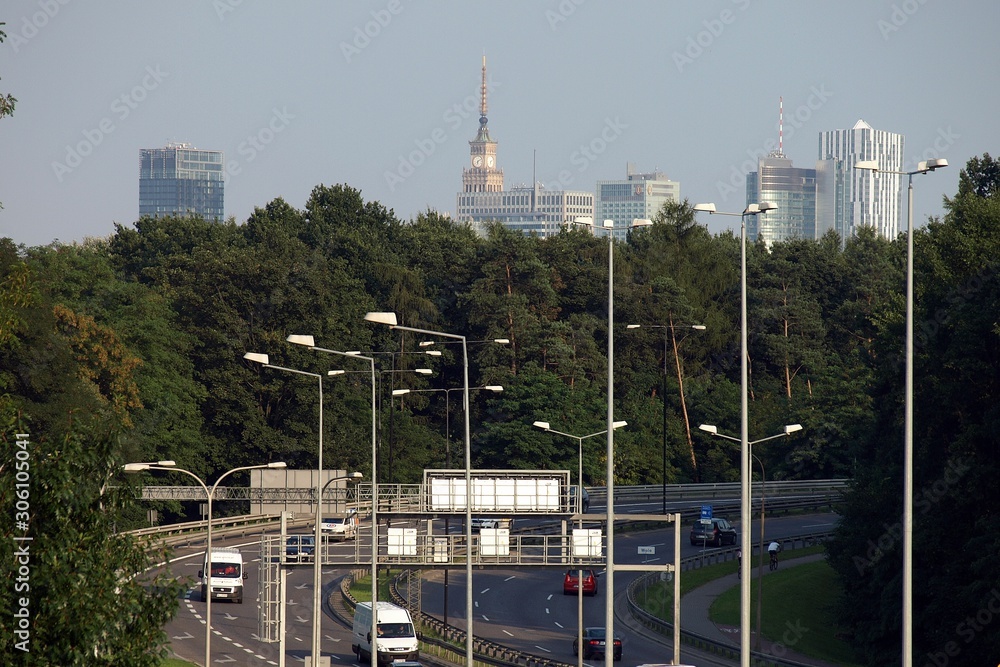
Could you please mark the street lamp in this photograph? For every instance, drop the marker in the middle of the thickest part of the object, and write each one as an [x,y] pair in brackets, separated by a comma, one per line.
[579,504]
[309,341]
[170,466]
[751,209]
[609,608]
[447,448]
[317,578]
[787,431]
[922,168]
[680,383]
[389,319]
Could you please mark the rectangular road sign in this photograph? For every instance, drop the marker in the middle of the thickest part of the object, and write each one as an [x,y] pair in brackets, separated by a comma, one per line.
[647,551]
[706,511]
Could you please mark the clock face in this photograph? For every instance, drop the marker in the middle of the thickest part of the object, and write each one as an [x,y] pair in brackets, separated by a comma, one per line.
[477,161]
[489,161]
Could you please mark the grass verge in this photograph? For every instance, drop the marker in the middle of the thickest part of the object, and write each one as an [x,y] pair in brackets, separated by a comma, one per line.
[804,623]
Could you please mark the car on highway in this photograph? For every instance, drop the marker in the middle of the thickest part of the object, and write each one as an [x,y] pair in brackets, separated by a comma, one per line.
[715,531]
[595,643]
[300,548]
[480,522]
[571,582]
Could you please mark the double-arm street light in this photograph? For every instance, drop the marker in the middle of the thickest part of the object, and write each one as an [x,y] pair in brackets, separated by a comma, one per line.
[609,608]
[170,466]
[264,360]
[389,319]
[579,508]
[670,328]
[751,209]
[447,449]
[922,168]
[309,342]
[787,431]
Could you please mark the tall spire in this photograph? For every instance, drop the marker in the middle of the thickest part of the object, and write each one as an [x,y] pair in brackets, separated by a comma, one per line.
[484,133]
[781,122]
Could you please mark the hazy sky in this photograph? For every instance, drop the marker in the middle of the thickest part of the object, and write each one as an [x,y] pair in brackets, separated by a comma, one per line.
[383,95]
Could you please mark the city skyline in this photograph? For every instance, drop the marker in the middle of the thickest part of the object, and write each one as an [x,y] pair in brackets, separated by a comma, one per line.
[384,97]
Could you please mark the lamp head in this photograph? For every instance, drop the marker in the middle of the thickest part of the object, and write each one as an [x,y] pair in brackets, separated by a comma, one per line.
[423,371]
[136,467]
[502,341]
[708,208]
[765,206]
[792,428]
[277,464]
[493,387]
[868,165]
[642,222]
[633,326]
[338,371]
[433,353]
[709,428]
[355,475]
[619,424]
[608,224]
[258,357]
[381,318]
[299,339]
[937,163]
[426,343]
[542,425]
[698,327]
[400,392]
[586,220]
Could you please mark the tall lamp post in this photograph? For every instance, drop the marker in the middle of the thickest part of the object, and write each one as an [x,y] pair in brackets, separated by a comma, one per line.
[788,430]
[309,342]
[447,447]
[317,569]
[170,466]
[751,209]
[680,383]
[609,603]
[389,319]
[579,506]
[922,168]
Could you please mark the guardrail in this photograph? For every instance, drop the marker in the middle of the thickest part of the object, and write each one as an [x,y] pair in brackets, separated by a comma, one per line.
[195,532]
[678,492]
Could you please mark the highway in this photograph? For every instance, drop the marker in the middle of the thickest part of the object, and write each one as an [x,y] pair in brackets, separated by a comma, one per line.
[523,608]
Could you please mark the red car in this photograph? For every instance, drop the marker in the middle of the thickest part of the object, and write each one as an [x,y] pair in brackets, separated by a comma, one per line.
[571,582]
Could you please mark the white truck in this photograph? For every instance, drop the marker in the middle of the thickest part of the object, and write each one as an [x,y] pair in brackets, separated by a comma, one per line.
[396,638]
[341,527]
[224,577]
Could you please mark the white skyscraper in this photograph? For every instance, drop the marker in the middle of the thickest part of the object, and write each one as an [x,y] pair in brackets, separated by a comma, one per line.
[849,198]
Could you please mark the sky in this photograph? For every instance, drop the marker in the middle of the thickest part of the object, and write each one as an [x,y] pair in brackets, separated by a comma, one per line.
[384,96]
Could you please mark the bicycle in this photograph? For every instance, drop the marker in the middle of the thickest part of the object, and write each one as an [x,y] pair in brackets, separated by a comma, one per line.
[774,560]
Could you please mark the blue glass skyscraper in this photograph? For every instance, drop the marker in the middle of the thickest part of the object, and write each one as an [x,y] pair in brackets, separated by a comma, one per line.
[181,180]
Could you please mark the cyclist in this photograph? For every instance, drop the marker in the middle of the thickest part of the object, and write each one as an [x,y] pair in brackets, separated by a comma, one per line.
[772,549]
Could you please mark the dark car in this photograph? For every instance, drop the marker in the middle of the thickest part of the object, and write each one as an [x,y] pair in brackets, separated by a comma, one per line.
[300,548]
[712,531]
[594,643]
[571,582]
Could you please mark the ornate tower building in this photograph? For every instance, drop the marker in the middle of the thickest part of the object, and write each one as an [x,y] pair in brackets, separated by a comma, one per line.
[483,175]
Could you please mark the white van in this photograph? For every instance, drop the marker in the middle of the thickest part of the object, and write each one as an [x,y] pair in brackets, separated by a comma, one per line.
[225,576]
[397,639]
[341,527]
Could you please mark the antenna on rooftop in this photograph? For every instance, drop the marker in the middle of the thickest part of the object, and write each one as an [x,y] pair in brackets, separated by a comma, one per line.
[781,124]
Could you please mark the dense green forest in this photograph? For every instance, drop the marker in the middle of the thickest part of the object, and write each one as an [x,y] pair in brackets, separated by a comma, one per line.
[136,342]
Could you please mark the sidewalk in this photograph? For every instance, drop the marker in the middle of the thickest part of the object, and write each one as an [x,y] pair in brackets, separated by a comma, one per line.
[694,616]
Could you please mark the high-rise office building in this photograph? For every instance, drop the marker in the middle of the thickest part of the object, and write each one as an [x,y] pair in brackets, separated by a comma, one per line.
[181,180]
[639,195]
[851,198]
[526,209]
[792,190]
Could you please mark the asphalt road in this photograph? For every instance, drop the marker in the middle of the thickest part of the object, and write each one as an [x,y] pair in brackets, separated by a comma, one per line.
[523,608]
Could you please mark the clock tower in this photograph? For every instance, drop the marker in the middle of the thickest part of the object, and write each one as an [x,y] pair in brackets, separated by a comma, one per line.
[483,174]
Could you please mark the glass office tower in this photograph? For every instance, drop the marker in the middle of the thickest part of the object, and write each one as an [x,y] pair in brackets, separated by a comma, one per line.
[181,180]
